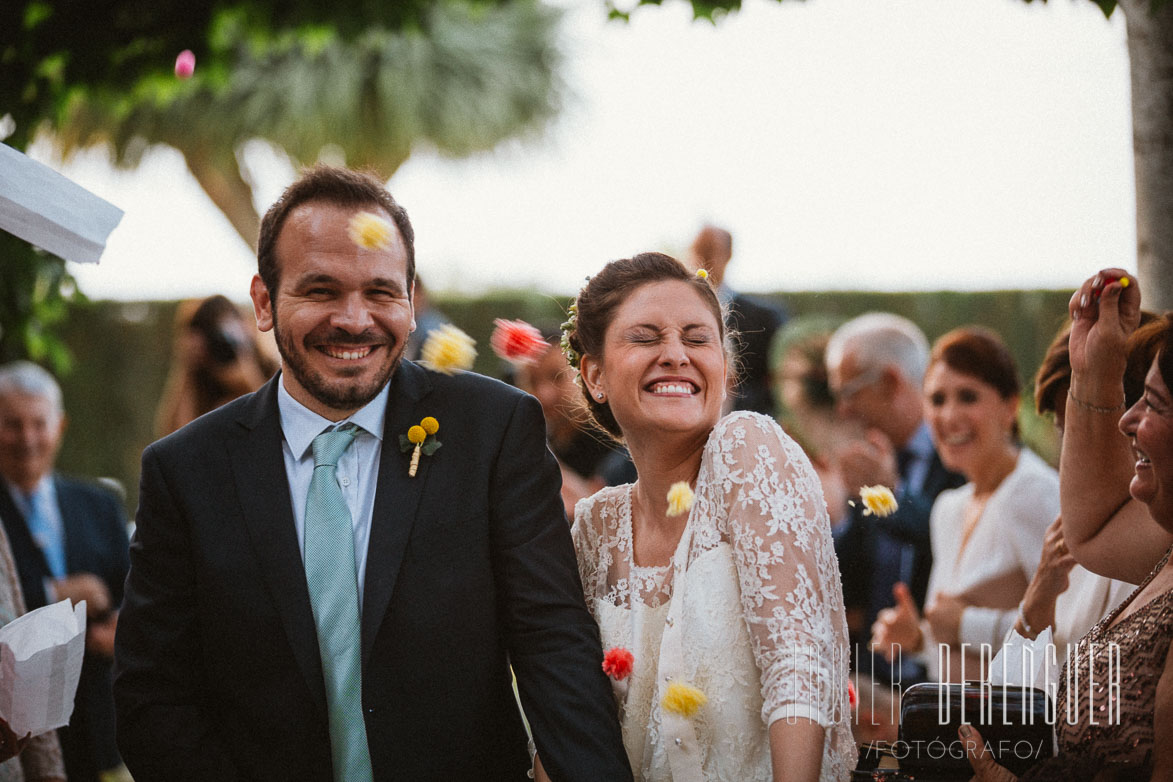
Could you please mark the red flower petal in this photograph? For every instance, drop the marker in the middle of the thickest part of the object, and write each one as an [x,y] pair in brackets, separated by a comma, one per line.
[618,662]
[517,342]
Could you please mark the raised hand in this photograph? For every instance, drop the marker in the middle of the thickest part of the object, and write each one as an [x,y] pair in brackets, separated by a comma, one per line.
[897,628]
[1104,313]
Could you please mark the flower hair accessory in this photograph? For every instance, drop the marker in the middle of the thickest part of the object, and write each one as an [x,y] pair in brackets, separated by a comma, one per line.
[517,342]
[420,438]
[618,663]
[683,699]
[680,498]
[448,350]
[571,354]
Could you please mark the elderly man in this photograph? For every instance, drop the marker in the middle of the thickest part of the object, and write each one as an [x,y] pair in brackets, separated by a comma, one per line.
[875,366]
[68,540]
[312,597]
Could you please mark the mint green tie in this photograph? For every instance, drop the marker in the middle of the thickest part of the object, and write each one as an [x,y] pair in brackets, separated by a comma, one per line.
[333,585]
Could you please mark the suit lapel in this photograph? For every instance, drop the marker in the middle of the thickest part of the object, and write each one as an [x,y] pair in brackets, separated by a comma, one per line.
[263,493]
[396,499]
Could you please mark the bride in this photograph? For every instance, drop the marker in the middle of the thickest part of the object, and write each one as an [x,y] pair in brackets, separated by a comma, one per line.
[731,608]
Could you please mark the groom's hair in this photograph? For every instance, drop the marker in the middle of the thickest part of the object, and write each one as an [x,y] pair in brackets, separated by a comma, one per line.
[331,185]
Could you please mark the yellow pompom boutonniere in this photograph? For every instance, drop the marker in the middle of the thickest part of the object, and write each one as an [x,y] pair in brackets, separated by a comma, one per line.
[448,350]
[420,439]
[369,231]
[878,500]
[682,699]
[680,498]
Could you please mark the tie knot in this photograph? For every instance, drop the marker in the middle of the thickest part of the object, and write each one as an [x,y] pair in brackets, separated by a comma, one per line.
[330,445]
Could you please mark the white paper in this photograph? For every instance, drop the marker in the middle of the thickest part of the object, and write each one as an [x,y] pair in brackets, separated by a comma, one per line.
[40,663]
[1022,662]
[51,211]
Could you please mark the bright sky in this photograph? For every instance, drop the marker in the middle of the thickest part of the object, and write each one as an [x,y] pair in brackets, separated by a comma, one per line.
[886,144]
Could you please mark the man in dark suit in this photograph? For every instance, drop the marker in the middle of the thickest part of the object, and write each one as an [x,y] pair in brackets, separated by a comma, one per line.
[875,366]
[68,540]
[241,652]
[753,320]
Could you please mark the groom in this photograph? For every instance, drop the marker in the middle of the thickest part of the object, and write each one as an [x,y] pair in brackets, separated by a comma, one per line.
[301,607]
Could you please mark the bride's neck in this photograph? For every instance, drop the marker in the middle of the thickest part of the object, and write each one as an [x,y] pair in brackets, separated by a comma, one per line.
[658,468]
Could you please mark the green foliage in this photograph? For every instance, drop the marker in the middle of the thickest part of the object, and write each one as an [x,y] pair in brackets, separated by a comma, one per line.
[35,293]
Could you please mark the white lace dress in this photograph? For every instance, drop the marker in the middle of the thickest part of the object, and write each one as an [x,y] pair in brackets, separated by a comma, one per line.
[759,627]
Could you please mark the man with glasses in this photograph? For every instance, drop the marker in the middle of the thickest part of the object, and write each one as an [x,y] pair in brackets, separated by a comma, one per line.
[875,366]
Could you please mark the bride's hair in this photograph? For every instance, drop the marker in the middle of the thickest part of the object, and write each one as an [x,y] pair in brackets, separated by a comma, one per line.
[595,306]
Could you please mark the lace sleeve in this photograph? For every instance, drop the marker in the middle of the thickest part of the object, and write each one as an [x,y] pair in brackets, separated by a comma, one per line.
[791,592]
[586,550]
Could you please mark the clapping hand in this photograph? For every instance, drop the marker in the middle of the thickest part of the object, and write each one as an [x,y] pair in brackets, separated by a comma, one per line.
[868,461]
[897,628]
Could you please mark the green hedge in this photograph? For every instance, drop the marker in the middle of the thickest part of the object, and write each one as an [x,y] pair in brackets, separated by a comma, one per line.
[122,352]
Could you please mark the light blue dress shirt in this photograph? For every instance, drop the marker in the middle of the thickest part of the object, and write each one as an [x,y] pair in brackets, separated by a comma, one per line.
[358,469]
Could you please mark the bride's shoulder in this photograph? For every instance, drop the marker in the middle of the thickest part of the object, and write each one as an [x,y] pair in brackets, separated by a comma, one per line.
[744,429]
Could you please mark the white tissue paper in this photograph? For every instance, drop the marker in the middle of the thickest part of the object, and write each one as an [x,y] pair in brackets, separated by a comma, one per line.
[40,663]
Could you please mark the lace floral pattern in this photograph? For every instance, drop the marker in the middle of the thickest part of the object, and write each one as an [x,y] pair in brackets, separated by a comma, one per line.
[764,628]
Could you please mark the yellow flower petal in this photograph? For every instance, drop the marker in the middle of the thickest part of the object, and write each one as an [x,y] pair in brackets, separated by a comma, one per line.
[430,425]
[448,350]
[682,699]
[416,434]
[879,500]
[370,231]
[679,498]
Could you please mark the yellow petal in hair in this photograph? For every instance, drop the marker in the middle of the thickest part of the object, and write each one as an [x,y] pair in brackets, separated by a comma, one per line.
[430,425]
[679,498]
[682,699]
[879,500]
[704,275]
[370,231]
[448,350]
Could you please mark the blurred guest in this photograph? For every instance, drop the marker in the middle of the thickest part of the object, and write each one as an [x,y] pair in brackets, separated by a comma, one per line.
[875,365]
[216,359]
[68,540]
[753,320]
[988,534]
[427,319]
[40,757]
[876,714]
[580,452]
[1111,537]
[807,407]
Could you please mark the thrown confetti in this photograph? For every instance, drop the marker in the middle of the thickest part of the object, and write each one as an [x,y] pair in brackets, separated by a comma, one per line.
[879,500]
[448,350]
[517,342]
[370,231]
[683,699]
[679,498]
[618,662]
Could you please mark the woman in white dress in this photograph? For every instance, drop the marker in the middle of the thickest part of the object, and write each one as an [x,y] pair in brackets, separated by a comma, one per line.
[988,534]
[739,597]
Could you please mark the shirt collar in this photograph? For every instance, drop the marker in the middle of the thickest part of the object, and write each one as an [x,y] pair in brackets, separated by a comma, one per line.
[44,487]
[301,425]
[920,445]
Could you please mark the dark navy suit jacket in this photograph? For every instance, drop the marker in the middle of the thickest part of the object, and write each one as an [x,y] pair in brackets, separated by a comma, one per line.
[94,523]
[470,570]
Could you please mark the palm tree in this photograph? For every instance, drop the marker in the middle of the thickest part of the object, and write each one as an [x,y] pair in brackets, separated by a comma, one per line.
[467,78]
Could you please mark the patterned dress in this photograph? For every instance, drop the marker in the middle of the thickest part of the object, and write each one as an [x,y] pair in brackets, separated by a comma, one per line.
[762,629]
